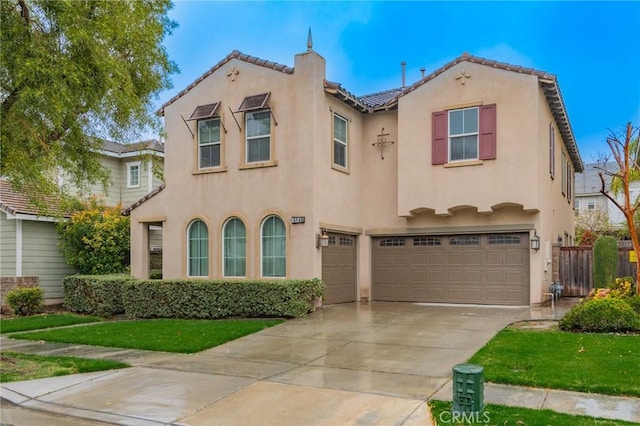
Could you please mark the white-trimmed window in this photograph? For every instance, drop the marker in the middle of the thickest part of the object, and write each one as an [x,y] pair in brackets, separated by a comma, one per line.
[209,143]
[340,141]
[234,248]
[197,249]
[258,136]
[273,236]
[133,175]
[591,204]
[463,134]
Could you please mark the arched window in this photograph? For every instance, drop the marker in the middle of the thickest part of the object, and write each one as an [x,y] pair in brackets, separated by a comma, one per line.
[274,247]
[234,248]
[197,249]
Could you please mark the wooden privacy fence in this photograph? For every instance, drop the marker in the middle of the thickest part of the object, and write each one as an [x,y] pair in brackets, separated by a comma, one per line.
[576,269]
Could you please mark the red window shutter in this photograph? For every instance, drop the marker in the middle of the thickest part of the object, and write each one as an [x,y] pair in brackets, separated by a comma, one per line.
[487,132]
[439,140]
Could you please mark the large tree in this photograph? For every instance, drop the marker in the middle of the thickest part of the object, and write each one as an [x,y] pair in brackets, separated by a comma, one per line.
[71,72]
[625,152]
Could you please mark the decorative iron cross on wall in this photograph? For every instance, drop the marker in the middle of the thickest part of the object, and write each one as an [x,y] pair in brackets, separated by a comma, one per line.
[382,142]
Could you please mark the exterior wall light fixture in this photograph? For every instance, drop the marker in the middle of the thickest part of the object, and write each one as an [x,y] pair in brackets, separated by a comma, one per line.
[535,241]
[322,240]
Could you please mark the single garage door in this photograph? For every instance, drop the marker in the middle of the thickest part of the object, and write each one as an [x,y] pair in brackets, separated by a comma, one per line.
[339,260]
[481,269]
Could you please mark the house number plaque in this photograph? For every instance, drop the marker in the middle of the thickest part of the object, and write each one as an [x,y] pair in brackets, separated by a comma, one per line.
[296,220]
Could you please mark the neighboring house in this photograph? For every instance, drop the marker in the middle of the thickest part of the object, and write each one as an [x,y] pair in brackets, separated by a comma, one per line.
[588,196]
[426,193]
[29,241]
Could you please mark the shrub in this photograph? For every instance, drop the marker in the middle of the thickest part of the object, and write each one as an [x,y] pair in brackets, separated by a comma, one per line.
[605,261]
[220,299]
[634,302]
[95,240]
[95,294]
[601,315]
[622,287]
[155,274]
[25,300]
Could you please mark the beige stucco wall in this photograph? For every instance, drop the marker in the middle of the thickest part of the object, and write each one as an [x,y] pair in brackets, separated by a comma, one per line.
[402,192]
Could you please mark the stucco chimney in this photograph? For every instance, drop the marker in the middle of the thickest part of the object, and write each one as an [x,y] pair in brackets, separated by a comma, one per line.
[422,71]
[404,70]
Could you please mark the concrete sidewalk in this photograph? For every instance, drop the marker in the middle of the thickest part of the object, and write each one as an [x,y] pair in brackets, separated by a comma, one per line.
[376,363]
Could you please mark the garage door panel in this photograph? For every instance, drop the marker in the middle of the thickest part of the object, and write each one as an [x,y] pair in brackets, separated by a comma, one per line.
[435,259]
[400,259]
[486,269]
[473,276]
[515,259]
[473,258]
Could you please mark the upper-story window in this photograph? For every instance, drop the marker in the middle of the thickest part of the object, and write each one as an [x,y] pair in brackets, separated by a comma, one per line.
[340,141]
[552,151]
[258,142]
[591,204]
[210,153]
[209,143]
[564,174]
[463,134]
[133,175]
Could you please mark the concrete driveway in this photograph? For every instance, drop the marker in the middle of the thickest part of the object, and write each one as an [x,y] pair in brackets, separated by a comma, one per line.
[373,363]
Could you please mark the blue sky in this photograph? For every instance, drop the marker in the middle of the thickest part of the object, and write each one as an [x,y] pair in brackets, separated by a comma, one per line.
[593,47]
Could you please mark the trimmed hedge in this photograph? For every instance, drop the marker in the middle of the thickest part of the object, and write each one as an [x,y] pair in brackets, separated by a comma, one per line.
[99,295]
[601,315]
[220,299]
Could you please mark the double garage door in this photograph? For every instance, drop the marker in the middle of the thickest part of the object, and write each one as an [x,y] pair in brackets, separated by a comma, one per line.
[488,269]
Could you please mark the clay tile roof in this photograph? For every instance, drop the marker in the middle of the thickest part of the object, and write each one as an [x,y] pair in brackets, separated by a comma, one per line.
[14,203]
[235,54]
[119,148]
[380,98]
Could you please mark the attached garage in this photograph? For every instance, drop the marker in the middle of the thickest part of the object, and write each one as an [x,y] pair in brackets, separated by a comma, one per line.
[339,269]
[490,269]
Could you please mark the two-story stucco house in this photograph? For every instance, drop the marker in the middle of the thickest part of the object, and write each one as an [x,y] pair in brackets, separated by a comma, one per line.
[426,193]
[29,240]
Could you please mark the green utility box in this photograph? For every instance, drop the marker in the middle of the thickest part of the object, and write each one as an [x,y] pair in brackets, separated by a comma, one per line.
[468,388]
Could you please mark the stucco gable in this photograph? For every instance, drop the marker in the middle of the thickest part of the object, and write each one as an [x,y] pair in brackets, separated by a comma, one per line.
[127,211]
[548,83]
[233,55]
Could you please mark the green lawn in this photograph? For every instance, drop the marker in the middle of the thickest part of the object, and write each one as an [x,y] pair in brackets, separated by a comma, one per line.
[18,366]
[168,335]
[515,416]
[37,322]
[599,363]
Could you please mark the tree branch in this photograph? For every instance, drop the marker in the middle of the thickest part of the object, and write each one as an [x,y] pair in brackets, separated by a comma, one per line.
[24,12]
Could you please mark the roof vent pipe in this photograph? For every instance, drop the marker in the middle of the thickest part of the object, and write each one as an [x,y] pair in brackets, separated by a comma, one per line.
[422,71]
[404,70]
